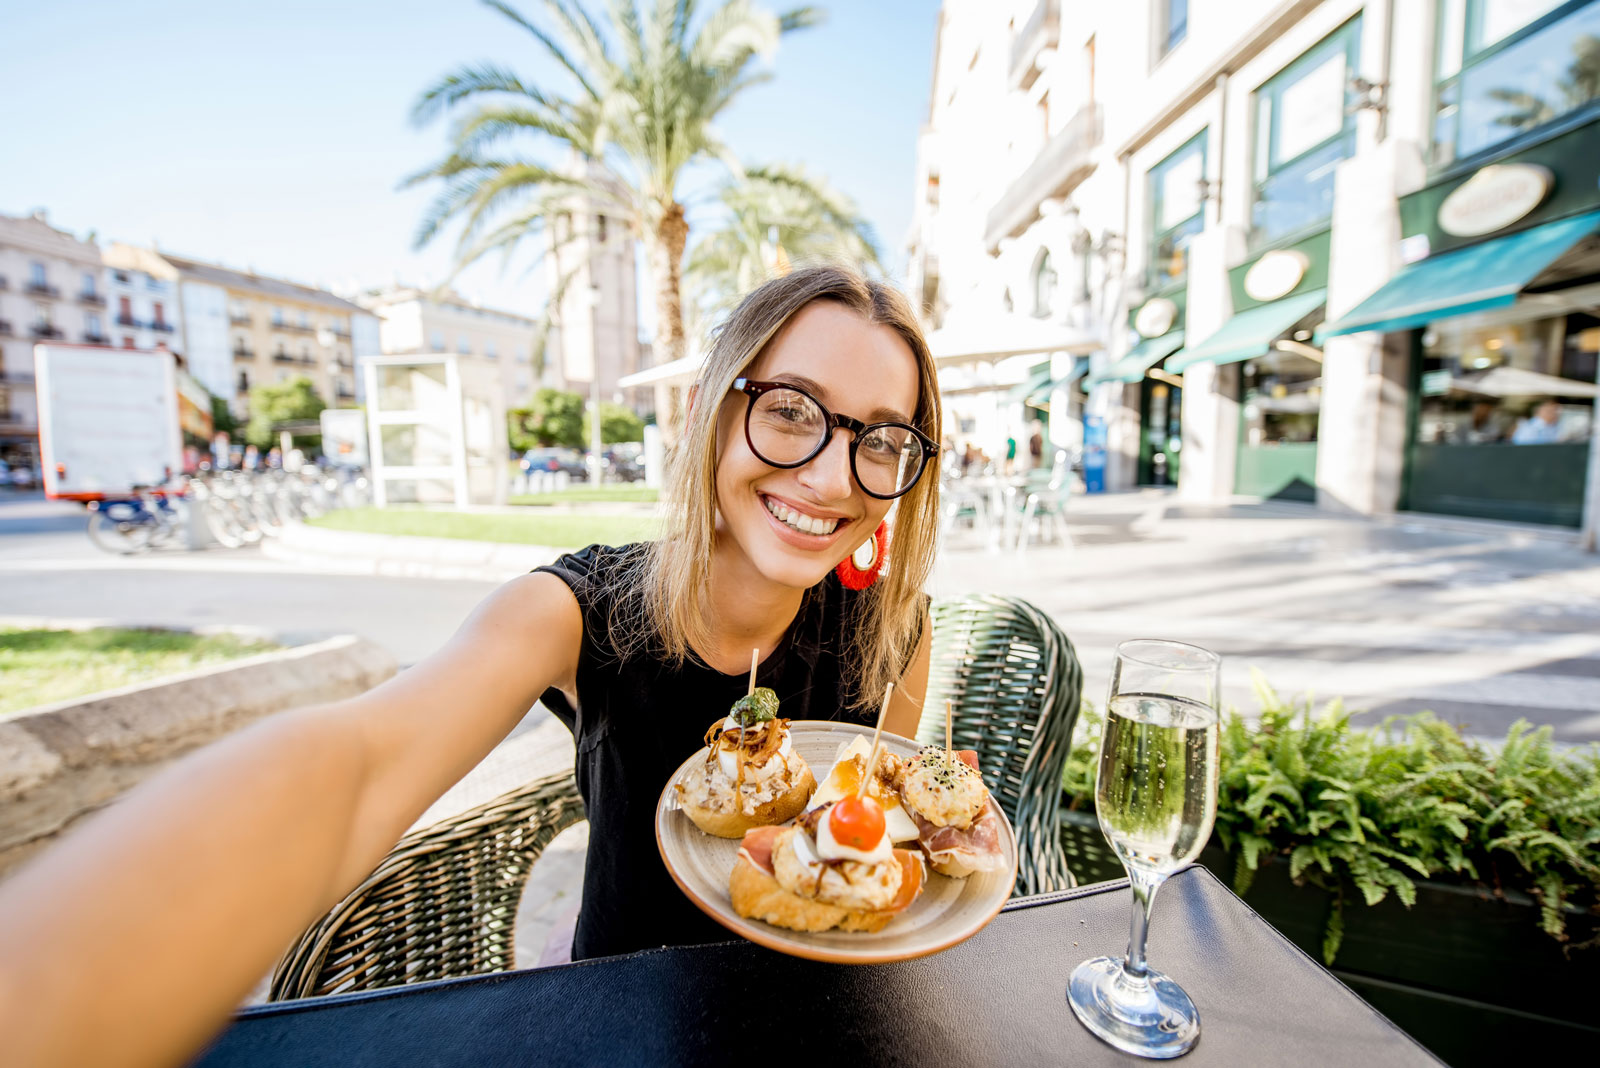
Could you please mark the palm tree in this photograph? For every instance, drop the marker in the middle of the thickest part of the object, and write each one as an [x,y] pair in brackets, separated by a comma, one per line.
[774,216]
[645,90]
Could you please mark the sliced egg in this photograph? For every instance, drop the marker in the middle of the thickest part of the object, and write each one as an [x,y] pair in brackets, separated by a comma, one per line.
[845,778]
[829,849]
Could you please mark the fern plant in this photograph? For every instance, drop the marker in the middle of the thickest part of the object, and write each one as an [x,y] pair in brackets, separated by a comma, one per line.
[1368,812]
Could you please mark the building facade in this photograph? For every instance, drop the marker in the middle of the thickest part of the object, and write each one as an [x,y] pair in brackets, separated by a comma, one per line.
[1336,251]
[414,321]
[239,329]
[52,289]
[590,265]
[143,294]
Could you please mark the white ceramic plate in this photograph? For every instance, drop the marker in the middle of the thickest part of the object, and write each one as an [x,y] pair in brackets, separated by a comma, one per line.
[948,911]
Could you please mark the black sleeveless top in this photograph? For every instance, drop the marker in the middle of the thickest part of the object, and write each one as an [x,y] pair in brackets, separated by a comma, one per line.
[638,719]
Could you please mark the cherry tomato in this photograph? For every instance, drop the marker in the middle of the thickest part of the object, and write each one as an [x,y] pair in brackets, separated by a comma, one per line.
[857,824]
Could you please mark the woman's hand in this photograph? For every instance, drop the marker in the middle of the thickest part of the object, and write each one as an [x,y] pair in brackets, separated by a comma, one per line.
[130,941]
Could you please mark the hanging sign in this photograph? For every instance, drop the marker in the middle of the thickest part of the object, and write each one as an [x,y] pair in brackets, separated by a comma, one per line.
[1494,198]
[1276,274]
[1156,317]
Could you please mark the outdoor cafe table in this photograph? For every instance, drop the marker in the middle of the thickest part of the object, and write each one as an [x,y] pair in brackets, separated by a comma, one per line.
[996,999]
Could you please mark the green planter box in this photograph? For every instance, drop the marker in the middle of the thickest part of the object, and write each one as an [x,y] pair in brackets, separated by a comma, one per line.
[1468,974]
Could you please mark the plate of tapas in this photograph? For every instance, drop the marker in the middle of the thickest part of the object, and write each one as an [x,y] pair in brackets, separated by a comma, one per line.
[776,830]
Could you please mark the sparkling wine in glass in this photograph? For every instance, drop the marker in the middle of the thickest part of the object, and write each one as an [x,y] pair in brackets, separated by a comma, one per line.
[1156,798]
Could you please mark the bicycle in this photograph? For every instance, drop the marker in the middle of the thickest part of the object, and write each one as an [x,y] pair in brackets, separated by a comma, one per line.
[138,524]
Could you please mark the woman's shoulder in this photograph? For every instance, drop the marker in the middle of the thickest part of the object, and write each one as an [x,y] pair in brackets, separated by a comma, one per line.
[596,569]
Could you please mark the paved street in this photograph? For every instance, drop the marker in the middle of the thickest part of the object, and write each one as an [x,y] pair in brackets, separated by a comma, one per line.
[1482,624]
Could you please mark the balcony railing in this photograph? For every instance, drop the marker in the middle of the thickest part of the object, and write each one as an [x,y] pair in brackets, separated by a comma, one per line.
[45,330]
[40,289]
[1041,31]
[239,318]
[1066,160]
[298,328]
[283,357]
[16,378]
[95,299]
[161,326]
[345,393]
[127,320]
[92,338]
[340,333]
[244,354]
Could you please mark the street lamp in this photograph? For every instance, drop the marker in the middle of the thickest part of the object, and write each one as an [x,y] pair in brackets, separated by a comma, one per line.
[593,292]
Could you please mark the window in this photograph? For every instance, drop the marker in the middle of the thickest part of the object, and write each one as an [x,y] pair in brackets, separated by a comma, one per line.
[241,347]
[277,315]
[436,341]
[91,325]
[305,321]
[37,275]
[160,315]
[155,284]
[121,277]
[464,345]
[1044,286]
[1176,210]
[41,315]
[90,282]
[489,350]
[1172,25]
[125,311]
[600,230]
[1282,399]
[127,343]
[1506,67]
[244,382]
[1303,130]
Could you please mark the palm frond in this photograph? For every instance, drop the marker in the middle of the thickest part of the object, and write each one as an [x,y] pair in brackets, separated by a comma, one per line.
[559,54]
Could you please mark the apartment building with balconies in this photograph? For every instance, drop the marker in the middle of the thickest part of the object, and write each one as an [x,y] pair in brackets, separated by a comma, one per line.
[52,290]
[240,329]
[142,299]
[413,321]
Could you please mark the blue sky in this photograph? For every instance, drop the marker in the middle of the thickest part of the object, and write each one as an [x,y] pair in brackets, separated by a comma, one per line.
[273,136]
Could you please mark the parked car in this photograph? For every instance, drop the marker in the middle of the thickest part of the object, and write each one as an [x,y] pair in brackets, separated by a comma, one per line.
[556,459]
[625,461]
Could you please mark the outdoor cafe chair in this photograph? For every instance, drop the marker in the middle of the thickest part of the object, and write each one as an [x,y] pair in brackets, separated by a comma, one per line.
[1014,683]
[443,903]
[1042,496]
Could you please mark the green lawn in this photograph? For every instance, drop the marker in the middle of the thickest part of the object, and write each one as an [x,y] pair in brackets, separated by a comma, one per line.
[628,494]
[557,531]
[39,667]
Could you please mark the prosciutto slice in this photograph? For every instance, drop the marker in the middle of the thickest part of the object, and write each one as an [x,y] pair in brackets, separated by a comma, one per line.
[756,847]
[977,846]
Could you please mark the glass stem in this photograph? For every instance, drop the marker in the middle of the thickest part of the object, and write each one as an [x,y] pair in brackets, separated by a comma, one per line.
[1144,886]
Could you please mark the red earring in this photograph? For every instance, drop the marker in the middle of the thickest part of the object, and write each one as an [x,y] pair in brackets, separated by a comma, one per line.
[858,571]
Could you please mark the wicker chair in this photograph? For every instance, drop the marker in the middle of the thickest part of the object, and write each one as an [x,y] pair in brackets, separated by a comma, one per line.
[1014,681]
[442,904]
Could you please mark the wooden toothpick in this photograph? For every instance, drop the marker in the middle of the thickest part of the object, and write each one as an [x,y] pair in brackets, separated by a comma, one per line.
[755,659]
[877,737]
[949,750]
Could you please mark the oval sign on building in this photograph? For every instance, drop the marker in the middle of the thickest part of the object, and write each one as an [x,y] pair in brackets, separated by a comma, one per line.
[1494,198]
[1156,317]
[1275,274]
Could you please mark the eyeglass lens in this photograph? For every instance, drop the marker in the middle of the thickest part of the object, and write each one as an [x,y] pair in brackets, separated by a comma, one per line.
[787,427]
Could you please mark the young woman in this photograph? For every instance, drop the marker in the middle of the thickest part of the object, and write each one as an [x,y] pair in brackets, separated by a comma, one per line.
[817,413]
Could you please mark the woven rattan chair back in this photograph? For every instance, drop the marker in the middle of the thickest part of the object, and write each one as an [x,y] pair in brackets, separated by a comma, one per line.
[1014,681]
[442,904]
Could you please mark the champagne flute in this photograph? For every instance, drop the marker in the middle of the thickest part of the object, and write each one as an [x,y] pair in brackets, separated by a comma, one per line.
[1156,798]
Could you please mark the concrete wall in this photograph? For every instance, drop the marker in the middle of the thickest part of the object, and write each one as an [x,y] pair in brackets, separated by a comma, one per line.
[62,762]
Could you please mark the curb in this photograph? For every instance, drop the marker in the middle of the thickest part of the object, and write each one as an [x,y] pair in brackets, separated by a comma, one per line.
[405,556]
[61,762]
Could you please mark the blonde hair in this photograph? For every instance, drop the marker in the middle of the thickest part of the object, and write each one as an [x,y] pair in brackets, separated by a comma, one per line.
[667,584]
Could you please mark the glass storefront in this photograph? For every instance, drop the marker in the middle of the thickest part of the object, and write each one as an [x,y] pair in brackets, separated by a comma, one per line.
[1504,413]
[1160,432]
[1177,185]
[1509,66]
[1280,406]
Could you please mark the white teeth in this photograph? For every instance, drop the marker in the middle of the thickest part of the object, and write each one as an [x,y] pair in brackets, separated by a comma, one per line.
[800,521]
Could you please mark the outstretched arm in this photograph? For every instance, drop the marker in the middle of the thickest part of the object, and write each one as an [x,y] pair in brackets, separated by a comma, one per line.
[131,941]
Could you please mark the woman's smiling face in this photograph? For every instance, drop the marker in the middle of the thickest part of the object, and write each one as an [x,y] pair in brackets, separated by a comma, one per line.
[771,516]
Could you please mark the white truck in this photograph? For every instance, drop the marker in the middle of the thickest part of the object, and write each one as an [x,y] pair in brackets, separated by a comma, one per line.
[108,420]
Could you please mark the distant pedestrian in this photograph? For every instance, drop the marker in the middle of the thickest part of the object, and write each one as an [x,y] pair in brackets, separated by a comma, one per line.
[252,458]
[1543,427]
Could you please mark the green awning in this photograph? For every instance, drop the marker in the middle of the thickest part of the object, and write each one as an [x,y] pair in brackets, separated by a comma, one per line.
[1489,274]
[1145,355]
[1250,333]
[1037,382]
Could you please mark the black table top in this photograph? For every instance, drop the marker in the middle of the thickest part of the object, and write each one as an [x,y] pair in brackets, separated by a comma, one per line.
[999,998]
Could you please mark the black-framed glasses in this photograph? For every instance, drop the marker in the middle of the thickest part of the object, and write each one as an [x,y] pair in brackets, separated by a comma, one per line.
[787,427]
